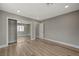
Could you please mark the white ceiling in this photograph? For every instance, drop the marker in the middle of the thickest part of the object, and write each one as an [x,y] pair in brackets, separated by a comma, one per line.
[39,11]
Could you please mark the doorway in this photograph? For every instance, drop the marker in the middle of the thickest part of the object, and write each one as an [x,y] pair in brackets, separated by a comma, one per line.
[23,32]
[18,30]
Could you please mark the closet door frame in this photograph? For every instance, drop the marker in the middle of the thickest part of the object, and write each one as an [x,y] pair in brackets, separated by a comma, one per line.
[31,32]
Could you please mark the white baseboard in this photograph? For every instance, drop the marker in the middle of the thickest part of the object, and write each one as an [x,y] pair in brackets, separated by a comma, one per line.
[2,46]
[67,44]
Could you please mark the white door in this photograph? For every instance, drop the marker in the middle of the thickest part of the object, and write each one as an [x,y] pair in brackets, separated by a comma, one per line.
[41,31]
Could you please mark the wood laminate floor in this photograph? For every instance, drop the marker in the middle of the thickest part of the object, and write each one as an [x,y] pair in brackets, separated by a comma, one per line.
[27,47]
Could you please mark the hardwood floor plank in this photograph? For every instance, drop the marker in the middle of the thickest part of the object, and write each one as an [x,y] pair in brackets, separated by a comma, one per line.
[27,47]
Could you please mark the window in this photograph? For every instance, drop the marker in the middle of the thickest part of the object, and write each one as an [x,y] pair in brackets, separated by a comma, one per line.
[20,28]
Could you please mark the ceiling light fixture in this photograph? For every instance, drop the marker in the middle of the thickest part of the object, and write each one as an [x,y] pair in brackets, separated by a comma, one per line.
[49,3]
[18,11]
[66,6]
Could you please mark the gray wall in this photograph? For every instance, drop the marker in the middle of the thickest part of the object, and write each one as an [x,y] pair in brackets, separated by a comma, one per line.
[26,31]
[2,30]
[3,24]
[37,31]
[63,28]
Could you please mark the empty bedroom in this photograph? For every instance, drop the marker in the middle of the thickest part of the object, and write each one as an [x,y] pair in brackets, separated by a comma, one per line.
[39,29]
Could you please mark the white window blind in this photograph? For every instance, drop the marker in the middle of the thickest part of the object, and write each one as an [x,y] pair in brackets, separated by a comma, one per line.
[20,28]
